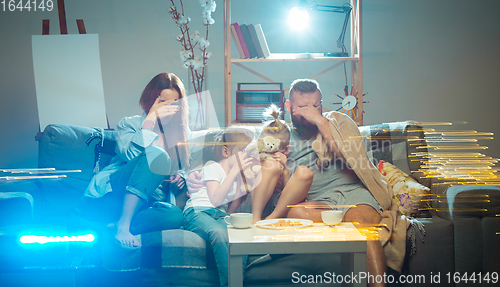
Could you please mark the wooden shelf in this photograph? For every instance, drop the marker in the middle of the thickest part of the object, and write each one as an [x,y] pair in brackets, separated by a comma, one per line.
[356,61]
[289,57]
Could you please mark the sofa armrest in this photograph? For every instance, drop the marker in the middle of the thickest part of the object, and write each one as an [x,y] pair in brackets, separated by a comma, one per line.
[468,201]
[67,147]
[474,211]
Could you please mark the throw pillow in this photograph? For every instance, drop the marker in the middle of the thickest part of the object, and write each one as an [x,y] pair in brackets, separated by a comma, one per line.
[408,193]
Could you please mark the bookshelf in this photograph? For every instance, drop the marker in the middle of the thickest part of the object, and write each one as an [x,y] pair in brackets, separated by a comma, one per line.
[355,60]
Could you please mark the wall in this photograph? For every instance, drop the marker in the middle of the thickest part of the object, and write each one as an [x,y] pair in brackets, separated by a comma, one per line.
[423,60]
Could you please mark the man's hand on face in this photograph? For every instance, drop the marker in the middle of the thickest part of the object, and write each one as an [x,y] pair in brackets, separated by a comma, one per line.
[311,114]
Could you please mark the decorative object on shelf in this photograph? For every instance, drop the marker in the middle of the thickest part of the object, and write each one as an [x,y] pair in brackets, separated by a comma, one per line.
[262,40]
[349,102]
[250,41]
[251,103]
[194,54]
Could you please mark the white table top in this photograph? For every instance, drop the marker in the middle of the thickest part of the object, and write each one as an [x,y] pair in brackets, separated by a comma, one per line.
[315,233]
[318,238]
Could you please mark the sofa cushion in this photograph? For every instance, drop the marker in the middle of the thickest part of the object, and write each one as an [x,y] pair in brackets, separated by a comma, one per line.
[175,248]
[474,210]
[16,208]
[67,147]
[73,148]
[401,143]
[408,193]
[434,254]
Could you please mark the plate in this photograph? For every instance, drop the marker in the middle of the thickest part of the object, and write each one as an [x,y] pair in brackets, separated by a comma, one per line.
[267,223]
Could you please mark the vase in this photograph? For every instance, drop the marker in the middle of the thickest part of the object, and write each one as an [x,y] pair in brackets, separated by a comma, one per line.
[198,116]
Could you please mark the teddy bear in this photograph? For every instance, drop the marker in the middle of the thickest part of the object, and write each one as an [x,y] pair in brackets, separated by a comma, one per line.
[325,155]
[262,150]
[267,146]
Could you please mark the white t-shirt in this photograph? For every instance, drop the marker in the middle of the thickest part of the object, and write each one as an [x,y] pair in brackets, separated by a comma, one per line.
[211,171]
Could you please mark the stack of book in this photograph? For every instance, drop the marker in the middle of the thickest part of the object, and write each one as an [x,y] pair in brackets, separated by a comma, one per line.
[250,41]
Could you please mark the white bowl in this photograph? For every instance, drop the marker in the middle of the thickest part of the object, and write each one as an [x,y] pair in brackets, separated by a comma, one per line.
[332,216]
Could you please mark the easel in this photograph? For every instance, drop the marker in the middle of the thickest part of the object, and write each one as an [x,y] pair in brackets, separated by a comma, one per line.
[62,21]
[64,31]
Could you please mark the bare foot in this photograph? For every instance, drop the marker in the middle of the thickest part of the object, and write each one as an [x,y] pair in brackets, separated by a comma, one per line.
[126,238]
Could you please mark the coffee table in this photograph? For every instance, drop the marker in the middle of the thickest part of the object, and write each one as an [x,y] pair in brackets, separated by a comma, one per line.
[318,238]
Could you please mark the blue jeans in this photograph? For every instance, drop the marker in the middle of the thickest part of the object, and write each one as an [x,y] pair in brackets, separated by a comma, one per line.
[209,224]
[135,177]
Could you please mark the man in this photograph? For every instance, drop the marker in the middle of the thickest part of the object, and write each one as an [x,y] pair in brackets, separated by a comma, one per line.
[336,185]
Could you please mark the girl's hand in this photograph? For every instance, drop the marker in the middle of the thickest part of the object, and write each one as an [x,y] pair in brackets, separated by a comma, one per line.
[243,161]
[177,180]
[280,157]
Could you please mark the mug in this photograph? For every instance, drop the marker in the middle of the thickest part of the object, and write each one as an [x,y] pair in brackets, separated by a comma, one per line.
[332,216]
[239,220]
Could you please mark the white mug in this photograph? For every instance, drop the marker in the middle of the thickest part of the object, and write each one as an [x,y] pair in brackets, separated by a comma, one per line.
[332,216]
[239,220]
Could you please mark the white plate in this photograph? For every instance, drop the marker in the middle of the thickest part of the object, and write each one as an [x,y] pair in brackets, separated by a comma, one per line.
[266,223]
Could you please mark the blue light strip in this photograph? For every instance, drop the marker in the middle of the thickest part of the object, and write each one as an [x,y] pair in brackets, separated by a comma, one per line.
[27,239]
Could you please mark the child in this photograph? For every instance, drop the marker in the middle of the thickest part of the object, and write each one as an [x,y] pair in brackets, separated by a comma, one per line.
[275,172]
[205,210]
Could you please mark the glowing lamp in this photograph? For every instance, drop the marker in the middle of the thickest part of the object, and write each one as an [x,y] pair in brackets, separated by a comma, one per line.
[298,18]
[28,239]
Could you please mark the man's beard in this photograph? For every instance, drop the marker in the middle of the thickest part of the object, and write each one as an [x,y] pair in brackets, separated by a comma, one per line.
[302,126]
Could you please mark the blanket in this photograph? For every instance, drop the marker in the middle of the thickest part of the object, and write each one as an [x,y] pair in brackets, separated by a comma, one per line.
[392,235]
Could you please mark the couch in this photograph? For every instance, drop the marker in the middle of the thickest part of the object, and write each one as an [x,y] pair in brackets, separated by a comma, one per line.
[456,231]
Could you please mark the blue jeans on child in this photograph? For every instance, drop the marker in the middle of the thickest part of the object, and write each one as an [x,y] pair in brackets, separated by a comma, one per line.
[209,224]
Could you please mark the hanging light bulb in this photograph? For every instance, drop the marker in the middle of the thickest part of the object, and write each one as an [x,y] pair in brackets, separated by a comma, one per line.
[298,18]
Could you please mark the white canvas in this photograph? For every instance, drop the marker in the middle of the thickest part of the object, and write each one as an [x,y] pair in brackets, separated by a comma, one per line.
[68,80]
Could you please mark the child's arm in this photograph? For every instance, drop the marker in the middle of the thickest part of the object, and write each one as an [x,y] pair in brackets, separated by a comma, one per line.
[216,191]
[234,205]
[238,198]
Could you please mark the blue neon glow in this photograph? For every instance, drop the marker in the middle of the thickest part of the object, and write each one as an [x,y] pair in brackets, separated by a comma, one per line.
[27,239]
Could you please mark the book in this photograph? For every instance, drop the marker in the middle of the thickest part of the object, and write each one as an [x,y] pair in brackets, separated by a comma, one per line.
[255,41]
[241,40]
[237,43]
[248,41]
[262,40]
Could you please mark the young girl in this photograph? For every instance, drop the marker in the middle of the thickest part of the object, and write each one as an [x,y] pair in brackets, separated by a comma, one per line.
[275,173]
[143,159]
[205,210]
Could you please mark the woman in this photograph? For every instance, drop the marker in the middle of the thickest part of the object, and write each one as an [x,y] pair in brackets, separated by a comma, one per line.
[148,148]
